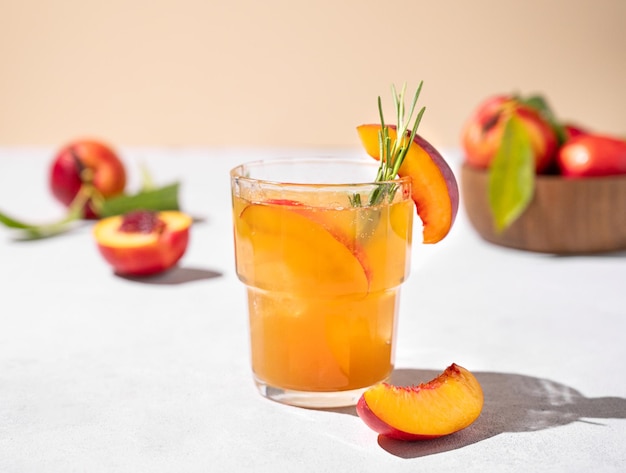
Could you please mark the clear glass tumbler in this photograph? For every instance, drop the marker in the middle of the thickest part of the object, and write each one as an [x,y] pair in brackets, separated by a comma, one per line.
[322,250]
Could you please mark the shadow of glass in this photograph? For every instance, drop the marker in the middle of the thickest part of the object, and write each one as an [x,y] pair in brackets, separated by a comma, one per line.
[513,403]
[177,275]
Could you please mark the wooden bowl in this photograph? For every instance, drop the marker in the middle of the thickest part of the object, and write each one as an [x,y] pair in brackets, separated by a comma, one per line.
[566,216]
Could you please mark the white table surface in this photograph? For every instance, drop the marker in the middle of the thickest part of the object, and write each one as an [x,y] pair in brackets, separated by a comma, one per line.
[104,374]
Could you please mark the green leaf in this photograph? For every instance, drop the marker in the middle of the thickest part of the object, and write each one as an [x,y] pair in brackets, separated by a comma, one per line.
[162,198]
[30,231]
[12,223]
[511,175]
[393,152]
[540,104]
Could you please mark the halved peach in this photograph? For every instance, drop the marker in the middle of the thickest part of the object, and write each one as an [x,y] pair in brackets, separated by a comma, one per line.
[143,242]
[434,187]
[288,249]
[444,405]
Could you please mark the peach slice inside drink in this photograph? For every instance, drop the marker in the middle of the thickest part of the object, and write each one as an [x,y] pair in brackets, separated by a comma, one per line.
[290,252]
[295,266]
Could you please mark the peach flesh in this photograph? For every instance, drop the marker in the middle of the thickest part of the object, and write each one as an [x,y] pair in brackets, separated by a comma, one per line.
[444,405]
[298,249]
[142,254]
[434,187]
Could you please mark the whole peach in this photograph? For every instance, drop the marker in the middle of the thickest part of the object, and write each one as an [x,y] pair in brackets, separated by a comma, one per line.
[589,155]
[86,162]
[573,130]
[482,133]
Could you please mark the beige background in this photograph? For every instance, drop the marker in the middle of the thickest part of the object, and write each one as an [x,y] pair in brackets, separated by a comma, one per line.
[295,73]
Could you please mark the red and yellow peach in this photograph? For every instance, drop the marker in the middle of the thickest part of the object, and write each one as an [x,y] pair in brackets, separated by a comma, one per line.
[450,402]
[142,243]
[86,162]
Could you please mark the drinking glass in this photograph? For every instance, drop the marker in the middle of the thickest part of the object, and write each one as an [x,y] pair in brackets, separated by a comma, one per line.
[322,250]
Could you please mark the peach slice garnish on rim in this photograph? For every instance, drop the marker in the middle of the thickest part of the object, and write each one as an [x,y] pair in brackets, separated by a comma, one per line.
[434,187]
[450,402]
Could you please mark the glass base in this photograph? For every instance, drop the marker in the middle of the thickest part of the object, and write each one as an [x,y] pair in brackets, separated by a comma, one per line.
[310,399]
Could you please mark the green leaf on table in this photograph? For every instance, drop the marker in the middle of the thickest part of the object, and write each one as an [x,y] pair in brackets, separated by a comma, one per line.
[157,199]
[31,231]
[12,223]
[511,175]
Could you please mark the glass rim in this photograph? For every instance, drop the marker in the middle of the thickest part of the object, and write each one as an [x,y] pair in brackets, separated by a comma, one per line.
[237,171]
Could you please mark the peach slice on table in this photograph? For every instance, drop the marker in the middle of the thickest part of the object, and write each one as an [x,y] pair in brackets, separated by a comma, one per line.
[444,405]
[434,187]
[142,243]
[291,251]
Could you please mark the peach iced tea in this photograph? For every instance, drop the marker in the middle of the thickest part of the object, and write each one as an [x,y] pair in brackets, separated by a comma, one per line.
[323,267]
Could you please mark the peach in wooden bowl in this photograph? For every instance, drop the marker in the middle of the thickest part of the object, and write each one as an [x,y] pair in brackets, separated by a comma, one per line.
[546,185]
[565,215]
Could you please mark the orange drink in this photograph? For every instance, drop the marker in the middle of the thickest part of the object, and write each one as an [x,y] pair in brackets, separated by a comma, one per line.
[322,251]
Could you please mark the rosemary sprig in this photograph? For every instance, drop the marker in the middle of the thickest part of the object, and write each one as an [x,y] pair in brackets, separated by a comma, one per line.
[393,151]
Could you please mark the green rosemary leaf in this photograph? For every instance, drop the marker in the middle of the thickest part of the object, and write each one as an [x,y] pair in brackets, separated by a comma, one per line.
[355,200]
[393,152]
